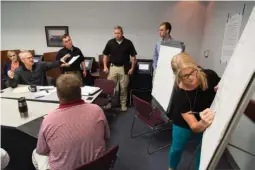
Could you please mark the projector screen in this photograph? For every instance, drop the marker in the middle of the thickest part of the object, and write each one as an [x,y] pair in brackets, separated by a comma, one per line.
[235,79]
[164,78]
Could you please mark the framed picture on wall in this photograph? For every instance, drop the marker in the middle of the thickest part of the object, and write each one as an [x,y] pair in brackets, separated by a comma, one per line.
[54,34]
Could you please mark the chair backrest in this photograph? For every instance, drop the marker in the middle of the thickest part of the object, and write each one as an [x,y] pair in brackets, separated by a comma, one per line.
[51,57]
[108,86]
[104,162]
[142,107]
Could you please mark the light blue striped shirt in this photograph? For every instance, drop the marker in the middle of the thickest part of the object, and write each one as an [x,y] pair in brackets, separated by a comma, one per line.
[156,51]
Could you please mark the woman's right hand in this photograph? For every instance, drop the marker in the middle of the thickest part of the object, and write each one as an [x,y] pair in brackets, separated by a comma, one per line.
[10,74]
[207,117]
[216,87]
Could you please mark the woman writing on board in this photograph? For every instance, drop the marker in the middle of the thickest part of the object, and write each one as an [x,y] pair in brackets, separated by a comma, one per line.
[191,100]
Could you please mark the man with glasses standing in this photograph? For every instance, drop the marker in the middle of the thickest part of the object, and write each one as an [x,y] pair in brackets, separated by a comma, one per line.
[70,52]
[119,49]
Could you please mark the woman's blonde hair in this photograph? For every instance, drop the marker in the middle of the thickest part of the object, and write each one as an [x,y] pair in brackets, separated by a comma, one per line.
[184,60]
[9,53]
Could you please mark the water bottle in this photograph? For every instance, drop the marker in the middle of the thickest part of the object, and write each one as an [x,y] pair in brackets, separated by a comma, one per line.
[23,110]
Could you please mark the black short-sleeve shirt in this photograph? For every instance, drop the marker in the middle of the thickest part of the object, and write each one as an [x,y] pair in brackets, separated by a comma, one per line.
[119,53]
[183,104]
[75,66]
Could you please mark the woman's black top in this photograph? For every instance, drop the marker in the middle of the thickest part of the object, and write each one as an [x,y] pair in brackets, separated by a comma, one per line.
[195,100]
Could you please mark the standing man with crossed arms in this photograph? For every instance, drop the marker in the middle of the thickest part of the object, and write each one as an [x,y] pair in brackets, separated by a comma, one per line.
[119,49]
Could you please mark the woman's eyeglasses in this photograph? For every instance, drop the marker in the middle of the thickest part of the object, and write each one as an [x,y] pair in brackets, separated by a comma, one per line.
[14,55]
[187,76]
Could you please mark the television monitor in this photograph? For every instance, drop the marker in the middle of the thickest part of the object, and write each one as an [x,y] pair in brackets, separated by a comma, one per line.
[144,67]
[90,64]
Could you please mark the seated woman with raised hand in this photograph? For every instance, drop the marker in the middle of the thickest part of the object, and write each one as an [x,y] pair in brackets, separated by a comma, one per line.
[10,66]
[191,100]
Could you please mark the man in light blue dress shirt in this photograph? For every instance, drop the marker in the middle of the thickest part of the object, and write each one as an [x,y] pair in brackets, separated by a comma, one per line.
[164,32]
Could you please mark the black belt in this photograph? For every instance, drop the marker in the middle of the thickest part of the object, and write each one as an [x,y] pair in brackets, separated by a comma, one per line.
[117,65]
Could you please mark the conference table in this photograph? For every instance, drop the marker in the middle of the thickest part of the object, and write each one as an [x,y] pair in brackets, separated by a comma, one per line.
[19,135]
[10,115]
[10,93]
[38,106]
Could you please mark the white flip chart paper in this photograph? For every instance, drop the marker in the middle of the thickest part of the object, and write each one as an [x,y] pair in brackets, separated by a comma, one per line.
[234,81]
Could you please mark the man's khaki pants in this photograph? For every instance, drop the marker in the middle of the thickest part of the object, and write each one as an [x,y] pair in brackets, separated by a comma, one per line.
[117,74]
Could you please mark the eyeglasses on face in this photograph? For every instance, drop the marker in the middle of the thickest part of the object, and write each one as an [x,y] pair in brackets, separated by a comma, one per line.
[28,58]
[14,55]
[187,76]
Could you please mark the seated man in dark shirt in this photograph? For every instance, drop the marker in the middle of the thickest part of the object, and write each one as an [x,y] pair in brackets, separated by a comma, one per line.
[31,73]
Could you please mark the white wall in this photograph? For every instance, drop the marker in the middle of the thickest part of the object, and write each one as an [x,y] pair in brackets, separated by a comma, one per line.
[91,23]
[215,22]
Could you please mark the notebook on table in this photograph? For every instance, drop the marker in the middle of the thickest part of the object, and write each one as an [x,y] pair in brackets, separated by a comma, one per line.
[89,90]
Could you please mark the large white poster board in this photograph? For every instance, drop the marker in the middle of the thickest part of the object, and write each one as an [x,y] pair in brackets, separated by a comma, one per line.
[164,78]
[232,86]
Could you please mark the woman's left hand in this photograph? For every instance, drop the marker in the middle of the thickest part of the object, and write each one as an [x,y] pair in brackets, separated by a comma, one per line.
[216,88]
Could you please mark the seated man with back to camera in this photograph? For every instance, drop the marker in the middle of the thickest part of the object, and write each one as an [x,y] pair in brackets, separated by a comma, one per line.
[31,73]
[73,134]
